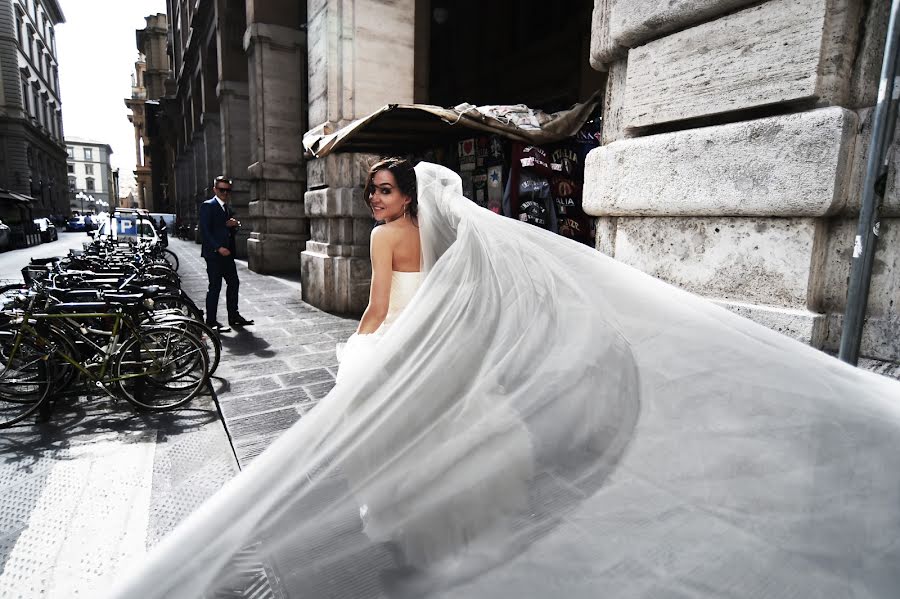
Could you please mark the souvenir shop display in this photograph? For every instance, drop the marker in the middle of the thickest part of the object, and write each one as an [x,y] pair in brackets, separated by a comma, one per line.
[538,185]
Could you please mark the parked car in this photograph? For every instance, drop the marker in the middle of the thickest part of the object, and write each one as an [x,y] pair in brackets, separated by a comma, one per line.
[5,237]
[75,223]
[80,223]
[48,229]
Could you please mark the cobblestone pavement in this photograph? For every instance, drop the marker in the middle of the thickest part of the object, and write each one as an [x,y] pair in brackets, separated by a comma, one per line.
[270,375]
[276,370]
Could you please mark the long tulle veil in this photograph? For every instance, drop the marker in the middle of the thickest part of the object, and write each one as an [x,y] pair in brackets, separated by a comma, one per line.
[544,421]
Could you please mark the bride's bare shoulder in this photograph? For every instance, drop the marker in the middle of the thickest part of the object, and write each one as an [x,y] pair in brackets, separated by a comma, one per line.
[398,229]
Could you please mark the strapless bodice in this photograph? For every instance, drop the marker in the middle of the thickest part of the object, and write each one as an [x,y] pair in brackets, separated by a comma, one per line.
[403,287]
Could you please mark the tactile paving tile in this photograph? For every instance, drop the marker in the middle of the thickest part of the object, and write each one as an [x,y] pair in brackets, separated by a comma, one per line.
[188,470]
[86,518]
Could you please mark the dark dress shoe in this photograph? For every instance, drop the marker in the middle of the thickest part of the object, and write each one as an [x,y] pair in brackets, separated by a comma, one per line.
[239,321]
[218,327]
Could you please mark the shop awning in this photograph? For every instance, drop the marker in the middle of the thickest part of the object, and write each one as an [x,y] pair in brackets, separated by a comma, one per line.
[14,198]
[414,126]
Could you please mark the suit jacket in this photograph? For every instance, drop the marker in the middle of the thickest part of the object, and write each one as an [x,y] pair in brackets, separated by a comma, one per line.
[213,230]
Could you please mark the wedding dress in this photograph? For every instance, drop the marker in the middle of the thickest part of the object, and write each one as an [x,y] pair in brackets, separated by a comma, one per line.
[403,288]
[543,421]
[354,355]
[460,507]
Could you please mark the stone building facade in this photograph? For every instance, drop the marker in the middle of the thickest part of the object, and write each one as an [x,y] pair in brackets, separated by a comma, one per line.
[735,134]
[90,176]
[439,52]
[32,152]
[137,105]
[235,106]
[251,77]
[151,72]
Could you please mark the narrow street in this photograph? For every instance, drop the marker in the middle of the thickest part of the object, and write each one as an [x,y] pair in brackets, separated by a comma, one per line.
[12,261]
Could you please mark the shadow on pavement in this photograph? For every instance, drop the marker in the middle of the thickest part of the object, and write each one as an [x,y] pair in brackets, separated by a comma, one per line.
[245,343]
[82,420]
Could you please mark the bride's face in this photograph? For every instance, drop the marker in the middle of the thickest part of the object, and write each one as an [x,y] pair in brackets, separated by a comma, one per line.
[387,201]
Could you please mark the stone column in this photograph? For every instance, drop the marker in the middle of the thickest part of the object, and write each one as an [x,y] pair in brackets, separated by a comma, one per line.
[234,108]
[201,177]
[335,265]
[212,144]
[347,80]
[181,206]
[277,73]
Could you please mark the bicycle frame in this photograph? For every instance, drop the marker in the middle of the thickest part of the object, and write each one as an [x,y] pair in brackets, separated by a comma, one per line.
[100,378]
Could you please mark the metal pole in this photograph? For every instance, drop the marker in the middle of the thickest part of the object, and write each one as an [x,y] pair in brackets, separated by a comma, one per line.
[873,191]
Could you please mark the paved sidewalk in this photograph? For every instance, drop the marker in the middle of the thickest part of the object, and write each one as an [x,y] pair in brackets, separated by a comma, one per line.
[85,495]
[272,372]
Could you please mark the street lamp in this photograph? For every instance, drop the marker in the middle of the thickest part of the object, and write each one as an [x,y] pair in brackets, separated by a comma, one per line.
[80,196]
[116,181]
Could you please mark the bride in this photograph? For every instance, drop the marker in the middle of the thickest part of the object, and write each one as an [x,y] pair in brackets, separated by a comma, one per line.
[438,506]
[528,418]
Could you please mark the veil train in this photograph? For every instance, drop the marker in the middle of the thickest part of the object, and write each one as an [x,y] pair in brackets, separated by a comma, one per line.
[544,421]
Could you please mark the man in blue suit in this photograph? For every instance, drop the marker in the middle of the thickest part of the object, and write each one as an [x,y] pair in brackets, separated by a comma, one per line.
[218,228]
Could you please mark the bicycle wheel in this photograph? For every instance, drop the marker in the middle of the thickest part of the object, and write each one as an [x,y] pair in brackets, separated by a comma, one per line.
[57,344]
[25,379]
[172,258]
[177,304]
[202,331]
[161,368]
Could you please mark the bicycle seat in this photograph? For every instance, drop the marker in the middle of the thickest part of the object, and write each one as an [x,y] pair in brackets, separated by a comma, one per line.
[72,295]
[78,307]
[45,261]
[124,298]
[94,281]
[76,295]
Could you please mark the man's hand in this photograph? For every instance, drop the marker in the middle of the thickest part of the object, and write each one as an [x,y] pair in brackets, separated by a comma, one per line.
[224,251]
[232,222]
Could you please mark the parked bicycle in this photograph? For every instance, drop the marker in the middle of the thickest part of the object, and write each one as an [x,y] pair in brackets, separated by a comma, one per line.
[112,319]
[159,367]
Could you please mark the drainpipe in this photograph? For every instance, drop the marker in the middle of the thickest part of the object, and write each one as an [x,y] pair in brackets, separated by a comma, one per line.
[883,124]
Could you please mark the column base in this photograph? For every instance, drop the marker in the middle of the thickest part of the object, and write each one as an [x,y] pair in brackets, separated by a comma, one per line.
[338,284]
[803,325]
[269,253]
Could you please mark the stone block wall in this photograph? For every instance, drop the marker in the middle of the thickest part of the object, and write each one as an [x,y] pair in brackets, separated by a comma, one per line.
[354,69]
[735,134]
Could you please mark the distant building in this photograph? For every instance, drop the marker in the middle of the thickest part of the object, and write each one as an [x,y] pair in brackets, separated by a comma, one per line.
[149,85]
[90,176]
[32,152]
[128,201]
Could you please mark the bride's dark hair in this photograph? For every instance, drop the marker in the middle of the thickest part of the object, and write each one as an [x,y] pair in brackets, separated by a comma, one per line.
[404,173]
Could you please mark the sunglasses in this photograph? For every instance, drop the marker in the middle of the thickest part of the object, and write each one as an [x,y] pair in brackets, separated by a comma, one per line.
[224,189]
